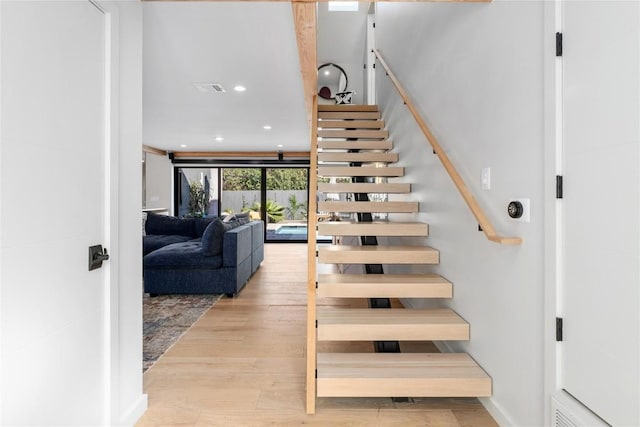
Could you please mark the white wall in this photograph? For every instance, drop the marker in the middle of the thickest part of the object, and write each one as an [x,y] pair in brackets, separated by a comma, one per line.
[475,73]
[159,172]
[341,40]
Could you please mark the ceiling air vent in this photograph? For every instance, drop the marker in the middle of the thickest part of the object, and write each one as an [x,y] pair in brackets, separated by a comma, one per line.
[210,87]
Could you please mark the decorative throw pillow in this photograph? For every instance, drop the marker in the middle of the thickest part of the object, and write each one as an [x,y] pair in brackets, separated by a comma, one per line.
[344,97]
[212,237]
[243,218]
[229,218]
[202,224]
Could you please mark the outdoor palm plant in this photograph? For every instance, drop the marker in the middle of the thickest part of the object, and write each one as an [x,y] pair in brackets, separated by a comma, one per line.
[275,212]
[296,209]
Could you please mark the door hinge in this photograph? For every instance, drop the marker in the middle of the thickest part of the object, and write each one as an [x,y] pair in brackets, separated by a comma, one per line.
[316,373]
[374,65]
[558,44]
[558,329]
[374,25]
[559,187]
[316,324]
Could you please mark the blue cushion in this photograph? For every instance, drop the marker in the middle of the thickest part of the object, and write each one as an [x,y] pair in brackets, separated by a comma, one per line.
[202,224]
[212,237]
[186,255]
[156,241]
[170,225]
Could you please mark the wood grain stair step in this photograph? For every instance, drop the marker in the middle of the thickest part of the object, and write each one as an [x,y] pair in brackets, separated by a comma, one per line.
[375,228]
[400,374]
[356,145]
[371,134]
[377,207]
[347,107]
[348,171]
[384,286]
[364,187]
[351,124]
[390,324]
[349,115]
[358,157]
[344,254]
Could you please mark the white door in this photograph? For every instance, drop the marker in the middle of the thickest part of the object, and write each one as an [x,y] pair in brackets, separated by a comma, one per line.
[601,208]
[52,194]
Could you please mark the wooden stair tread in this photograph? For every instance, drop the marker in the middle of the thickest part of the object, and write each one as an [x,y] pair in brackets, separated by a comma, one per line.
[384,286]
[346,115]
[390,324]
[375,228]
[364,187]
[351,124]
[400,374]
[358,157]
[357,145]
[348,171]
[344,254]
[371,134]
[396,207]
[347,107]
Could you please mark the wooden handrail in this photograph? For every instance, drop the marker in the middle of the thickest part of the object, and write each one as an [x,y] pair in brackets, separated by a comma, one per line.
[476,210]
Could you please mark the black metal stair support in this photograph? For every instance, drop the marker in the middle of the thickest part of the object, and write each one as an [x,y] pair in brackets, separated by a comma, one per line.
[380,346]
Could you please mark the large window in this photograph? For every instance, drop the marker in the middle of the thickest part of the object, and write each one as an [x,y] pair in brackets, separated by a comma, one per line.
[278,196]
[196,192]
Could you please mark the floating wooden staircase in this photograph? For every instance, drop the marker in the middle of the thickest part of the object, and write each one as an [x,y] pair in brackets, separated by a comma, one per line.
[353,144]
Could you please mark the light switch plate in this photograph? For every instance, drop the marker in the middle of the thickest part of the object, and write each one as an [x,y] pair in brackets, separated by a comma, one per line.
[486,178]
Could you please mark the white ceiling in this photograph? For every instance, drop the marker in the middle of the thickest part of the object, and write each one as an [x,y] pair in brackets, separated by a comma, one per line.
[235,43]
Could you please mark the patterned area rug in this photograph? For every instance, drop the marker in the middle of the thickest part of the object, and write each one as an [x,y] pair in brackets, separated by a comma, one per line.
[167,318]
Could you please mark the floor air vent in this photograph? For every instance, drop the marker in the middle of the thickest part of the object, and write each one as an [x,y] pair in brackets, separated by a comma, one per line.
[568,412]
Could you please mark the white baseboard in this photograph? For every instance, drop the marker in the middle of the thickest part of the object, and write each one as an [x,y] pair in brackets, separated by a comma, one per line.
[133,414]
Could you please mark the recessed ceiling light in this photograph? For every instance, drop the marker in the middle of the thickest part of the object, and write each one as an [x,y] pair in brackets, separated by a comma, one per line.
[239,88]
[183,145]
[266,127]
[327,72]
[219,138]
[280,145]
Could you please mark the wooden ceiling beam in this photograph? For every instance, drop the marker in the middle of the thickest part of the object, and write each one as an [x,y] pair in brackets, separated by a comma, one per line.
[153,150]
[324,1]
[239,154]
[305,21]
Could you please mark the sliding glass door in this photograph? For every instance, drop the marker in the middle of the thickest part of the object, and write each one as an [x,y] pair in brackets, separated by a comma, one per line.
[286,203]
[278,196]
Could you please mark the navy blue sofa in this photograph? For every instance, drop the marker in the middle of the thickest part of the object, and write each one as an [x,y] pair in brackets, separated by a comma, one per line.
[200,256]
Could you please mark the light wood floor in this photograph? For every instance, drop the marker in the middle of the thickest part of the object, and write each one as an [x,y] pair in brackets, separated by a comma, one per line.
[243,364]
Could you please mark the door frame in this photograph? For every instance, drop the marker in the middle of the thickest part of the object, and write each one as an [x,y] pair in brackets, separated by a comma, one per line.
[552,206]
[111,189]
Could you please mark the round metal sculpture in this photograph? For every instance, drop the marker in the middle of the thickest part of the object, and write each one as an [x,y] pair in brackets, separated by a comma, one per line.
[331,80]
